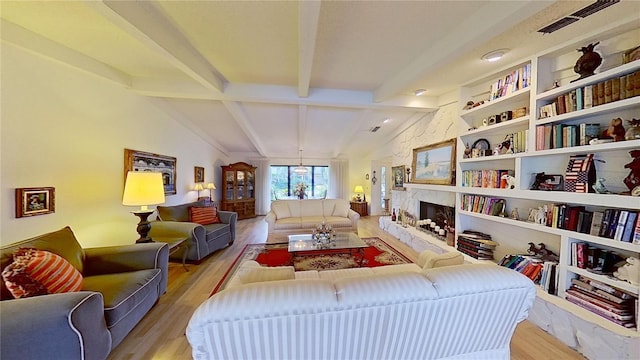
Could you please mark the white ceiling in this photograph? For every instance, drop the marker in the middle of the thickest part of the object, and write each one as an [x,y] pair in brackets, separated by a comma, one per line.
[267,78]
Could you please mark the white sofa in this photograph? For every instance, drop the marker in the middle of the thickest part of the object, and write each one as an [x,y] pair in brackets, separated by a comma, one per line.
[288,216]
[396,312]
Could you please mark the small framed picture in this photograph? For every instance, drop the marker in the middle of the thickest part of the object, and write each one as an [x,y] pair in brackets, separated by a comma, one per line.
[35,201]
[198,174]
[398,177]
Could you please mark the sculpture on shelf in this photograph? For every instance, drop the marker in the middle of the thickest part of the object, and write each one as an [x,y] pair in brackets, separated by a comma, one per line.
[541,216]
[632,180]
[630,271]
[546,254]
[615,130]
[540,182]
[633,132]
[600,188]
[514,214]
[587,64]
[511,181]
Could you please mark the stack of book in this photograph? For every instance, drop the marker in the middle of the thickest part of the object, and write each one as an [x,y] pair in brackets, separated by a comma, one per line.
[604,92]
[476,244]
[512,82]
[609,302]
[594,259]
[529,266]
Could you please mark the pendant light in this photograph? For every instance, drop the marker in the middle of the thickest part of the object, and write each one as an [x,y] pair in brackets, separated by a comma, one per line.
[300,170]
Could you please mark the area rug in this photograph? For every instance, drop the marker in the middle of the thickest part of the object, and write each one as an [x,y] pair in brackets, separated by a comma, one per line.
[378,253]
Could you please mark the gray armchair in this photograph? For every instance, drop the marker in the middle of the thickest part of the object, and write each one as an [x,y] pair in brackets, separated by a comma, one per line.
[120,285]
[202,240]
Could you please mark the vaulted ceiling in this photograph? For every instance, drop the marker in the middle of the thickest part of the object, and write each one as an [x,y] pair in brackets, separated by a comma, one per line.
[268,78]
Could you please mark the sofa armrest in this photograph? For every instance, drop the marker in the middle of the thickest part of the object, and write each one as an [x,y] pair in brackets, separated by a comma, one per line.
[116,259]
[231,218]
[353,216]
[64,326]
[271,221]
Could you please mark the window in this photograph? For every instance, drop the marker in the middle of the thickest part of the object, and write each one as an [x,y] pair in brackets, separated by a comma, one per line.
[285,182]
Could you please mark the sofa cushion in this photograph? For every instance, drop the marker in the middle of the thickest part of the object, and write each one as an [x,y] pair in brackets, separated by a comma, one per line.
[429,259]
[294,207]
[327,207]
[204,215]
[250,275]
[338,222]
[341,209]
[123,292]
[311,208]
[37,272]
[177,212]
[311,221]
[281,210]
[288,223]
[216,230]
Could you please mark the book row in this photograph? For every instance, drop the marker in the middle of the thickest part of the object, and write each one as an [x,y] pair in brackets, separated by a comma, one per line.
[604,92]
[539,271]
[485,178]
[617,224]
[487,205]
[603,300]
[556,136]
[512,82]
[476,244]
[594,259]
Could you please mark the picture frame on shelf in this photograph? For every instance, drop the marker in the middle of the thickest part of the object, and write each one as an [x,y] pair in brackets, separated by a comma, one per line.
[135,160]
[398,173]
[35,201]
[198,174]
[435,163]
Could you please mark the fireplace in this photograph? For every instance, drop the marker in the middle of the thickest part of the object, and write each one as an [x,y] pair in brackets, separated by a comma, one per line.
[438,213]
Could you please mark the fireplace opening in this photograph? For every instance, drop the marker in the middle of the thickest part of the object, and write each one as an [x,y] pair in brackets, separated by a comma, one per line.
[438,213]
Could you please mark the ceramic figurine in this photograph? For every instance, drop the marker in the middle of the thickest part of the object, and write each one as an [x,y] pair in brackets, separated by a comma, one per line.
[615,130]
[514,214]
[599,186]
[588,62]
[633,132]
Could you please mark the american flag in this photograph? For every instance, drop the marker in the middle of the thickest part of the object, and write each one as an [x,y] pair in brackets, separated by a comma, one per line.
[577,175]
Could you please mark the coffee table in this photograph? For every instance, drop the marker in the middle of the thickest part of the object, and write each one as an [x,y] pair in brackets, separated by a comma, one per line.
[346,242]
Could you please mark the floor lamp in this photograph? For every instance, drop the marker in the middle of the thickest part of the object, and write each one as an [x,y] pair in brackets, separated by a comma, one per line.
[142,189]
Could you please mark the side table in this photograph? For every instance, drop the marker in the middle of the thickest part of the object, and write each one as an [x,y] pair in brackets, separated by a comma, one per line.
[360,207]
[175,244]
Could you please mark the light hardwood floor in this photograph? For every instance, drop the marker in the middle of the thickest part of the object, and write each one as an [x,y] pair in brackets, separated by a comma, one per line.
[160,335]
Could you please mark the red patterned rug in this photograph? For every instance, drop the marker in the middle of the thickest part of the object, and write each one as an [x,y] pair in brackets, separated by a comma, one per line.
[378,253]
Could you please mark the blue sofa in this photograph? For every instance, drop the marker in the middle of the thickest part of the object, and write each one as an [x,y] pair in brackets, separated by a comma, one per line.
[120,285]
[202,240]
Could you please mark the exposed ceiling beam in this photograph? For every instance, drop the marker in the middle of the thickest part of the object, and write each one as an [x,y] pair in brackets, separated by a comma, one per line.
[146,22]
[468,32]
[34,43]
[308,15]
[277,94]
[302,125]
[168,109]
[240,116]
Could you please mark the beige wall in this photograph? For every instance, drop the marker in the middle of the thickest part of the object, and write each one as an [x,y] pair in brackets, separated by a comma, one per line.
[64,128]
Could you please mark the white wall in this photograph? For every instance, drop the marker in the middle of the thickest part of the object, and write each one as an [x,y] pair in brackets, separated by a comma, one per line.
[68,129]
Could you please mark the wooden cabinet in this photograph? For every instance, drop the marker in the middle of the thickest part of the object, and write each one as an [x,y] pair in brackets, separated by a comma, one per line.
[238,194]
[360,207]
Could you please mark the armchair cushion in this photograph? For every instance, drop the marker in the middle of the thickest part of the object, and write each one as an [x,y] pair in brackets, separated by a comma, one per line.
[204,215]
[37,272]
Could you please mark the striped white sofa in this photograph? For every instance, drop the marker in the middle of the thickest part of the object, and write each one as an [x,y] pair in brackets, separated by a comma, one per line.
[454,312]
[290,216]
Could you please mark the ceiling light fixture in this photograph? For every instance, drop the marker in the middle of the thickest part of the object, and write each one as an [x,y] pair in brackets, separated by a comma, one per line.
[300,170]
[494,55]
[419,92]
[386,120]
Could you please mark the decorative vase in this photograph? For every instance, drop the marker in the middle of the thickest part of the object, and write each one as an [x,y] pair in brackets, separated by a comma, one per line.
[588,62]
[451,236]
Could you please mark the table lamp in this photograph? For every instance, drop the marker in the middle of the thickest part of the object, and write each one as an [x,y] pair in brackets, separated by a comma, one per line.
[198,187]
[358,190]
[211,187]
[143,188]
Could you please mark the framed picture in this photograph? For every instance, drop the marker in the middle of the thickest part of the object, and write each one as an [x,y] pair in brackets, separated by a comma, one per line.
[35,201]
[143,161]
[435,164]
[198,174]
[398,177]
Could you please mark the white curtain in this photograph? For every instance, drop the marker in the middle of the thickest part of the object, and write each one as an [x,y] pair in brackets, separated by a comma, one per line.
[263,186]
[338,179]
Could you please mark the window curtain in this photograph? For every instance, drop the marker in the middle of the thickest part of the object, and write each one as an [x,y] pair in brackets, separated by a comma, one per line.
[263,186]
[338,179]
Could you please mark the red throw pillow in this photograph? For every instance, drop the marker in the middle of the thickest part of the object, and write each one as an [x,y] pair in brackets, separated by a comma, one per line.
[204,215]
[36,272]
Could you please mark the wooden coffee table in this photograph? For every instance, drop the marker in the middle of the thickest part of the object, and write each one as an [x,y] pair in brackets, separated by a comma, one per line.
[345,242]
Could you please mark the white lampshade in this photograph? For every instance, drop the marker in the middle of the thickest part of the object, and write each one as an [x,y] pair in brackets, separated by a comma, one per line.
[198,187]
[358,189]
[143,188]
[211,186]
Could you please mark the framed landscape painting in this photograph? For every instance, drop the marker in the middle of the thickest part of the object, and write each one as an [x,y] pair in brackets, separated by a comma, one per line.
[398,177]
[143,161]
[435,163]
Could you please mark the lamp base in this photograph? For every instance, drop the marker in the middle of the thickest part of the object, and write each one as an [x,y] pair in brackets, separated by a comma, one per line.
[143,226]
